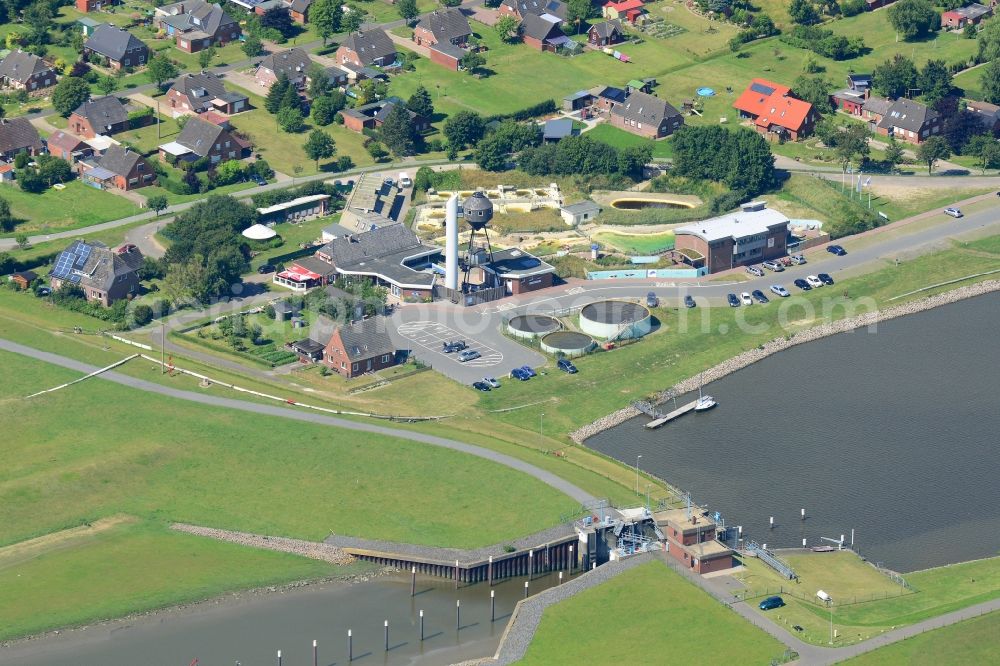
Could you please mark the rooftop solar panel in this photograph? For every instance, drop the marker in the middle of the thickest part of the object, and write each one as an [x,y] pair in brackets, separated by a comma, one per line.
[74,278]
[761,88]
[64,263]
[82,253]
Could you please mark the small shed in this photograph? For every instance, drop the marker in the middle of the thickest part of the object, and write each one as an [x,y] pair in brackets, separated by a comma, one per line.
[308,350]
[557,129]
[87,25]
[283,310]
[23,279]
[578,213]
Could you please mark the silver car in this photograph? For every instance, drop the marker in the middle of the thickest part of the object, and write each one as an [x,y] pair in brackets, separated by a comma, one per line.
[778,290]
[468,355]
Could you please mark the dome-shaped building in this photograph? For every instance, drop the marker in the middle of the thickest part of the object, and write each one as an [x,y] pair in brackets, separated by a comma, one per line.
[477,210]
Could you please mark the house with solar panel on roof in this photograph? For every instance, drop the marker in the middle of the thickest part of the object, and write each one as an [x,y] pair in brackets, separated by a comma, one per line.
[775,111]
[104,275]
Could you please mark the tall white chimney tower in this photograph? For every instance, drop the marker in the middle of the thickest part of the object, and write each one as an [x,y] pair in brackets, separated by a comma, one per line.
[451,243]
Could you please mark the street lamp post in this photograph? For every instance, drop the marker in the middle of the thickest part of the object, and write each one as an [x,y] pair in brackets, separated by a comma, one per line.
[637,473]
[829,604]
[541,416]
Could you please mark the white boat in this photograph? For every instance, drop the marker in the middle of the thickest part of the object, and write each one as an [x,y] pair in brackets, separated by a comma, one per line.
[705,402]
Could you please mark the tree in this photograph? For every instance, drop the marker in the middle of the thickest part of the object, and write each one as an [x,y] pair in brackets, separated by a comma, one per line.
[22,241]
[69,93]
[578,11]
[38,17]
[407,9]
[960,128]
[893,153]
[319,146]
[464,128]
[506,28]
[252,46]
[803,12]
[376,150]
[989,40]
[53,169]
[935,81]
[157,203]
[326,15]
[933,149]
[206,56]
[160,68]
[851,143]
[319,80]
[397,132]
[291,120]
[894,78]
[325,108]
[142,314]
[491,154]
[472,61]
[277,92]
[290,99]
[278,18]
[990,82]
[353,20]
[986,149]
[420,103]
[7,220]
[914,18]
[107,84]
[815,90]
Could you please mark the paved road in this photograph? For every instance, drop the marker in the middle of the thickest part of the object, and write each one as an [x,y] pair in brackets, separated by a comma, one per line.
[550,479]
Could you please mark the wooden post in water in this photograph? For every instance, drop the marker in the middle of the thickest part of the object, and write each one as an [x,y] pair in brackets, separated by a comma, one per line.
[458,614]
[350,646]
[315,653]
[387,635]
[493,605]
[456,574]
[525,589]
[421,626]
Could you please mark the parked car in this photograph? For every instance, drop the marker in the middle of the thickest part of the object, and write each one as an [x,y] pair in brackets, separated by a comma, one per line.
[778,290]
[126,248]
[836,249]
[468,355]
[260,181]
[454,346]
[492,382]
[771,603]
[953,212]
[814,281]
[689,301]
[566,366]
[773,266]
[44,291]
[753,270]
[759,295]
[265,269]
[404,180]
[527,369]
[802,284]
[520,374]
[389,182]
[825,278]
[651,300]
[798,259]
[746,299]
[481,386]
[734,302]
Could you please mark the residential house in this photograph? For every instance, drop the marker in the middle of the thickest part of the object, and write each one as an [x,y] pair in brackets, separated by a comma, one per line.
[102,115]
[25,71]
[542,32]
[120,47]
[85,6]
[850,101]
[200,139]
[774,110]
[645,115]
[104,276]
[605,33]
[359,348]
[298,10]
[579,213]
[120,168]
[874,109]
[625,10]
[957,19]
[444,25]
[67,146]
[607,98]
[520,9]
[371,116]
[293,63]
[367,49]
[988,114]
[909,121]
[196,93]
[859,82]
[197,25]
[18,135]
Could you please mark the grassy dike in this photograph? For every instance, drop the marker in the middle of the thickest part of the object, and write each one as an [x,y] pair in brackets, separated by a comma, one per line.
[970,642]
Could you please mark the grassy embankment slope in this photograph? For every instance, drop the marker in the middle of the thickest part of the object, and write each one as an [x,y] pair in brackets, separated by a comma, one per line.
[969,642]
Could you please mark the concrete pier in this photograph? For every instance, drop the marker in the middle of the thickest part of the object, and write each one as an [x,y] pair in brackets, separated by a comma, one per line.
[680,411]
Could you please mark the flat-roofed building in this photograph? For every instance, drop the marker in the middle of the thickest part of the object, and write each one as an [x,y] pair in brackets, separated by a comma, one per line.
[692,539]
[750,235]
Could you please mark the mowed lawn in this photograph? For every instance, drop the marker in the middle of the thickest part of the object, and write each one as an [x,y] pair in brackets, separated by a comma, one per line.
[970,642]
[637,244]
[108,573]
[98,449]
[647,615]
[622,139]
[76,206]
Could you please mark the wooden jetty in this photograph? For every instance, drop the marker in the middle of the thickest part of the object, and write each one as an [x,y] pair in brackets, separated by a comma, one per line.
[683,409]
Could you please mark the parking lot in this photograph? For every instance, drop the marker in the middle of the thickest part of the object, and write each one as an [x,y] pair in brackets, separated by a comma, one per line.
[432,335]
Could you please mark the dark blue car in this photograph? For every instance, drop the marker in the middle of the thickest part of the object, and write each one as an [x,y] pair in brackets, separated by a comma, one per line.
[734,302]
[526,369]
[836,249]
[518,373]
[566,366]
[802,284]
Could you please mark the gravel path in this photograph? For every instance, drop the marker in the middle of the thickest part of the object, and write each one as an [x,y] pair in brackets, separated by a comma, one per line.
[310,549]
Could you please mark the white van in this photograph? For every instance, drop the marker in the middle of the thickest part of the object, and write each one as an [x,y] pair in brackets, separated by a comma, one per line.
[404,180]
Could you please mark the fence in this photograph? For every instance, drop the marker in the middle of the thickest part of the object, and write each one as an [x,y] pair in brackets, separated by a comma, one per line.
[644,273]
[853,600]
[129,342]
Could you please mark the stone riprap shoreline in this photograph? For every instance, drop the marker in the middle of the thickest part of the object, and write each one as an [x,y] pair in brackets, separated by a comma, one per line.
[310,549]
[776,345]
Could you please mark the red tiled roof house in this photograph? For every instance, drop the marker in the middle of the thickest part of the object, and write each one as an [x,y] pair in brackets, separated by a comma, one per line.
[774,110]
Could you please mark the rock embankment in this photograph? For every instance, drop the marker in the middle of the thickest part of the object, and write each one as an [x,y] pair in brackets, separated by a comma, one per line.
[310,549]
[776,345]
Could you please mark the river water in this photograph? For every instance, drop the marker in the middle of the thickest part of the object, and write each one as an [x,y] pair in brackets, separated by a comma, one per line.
[894,433]
[250,630]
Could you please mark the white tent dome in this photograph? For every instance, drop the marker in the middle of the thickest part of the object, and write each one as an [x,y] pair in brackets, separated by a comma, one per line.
[259,232]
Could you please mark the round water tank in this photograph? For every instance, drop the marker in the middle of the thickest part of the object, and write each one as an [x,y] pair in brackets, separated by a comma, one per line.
[615,319]
[477,210]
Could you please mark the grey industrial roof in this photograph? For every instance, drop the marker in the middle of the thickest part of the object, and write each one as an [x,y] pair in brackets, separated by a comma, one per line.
[645,108]
[739,224]
[366,339]
[370,45]
[515,263]
[582,207]
[20,66]
[119,160]
[199,135]
[17,134]
[557,128]
[579,94]
[113,42]
[446,24]
[381,252]
[908,115]
[103,112]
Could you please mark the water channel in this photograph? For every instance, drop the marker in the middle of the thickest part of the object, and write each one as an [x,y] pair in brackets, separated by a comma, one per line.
[894,434]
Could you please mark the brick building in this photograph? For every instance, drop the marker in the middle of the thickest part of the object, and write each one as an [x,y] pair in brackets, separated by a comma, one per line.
[750,235]
[368,48]
[202,139]
[443,25]
[691,540]
[25,71]
[197,93]
[118,46]
[119,168]
[197,25]
[101,115]
[909,121]
[359,348]
[293,63]
[774,110]
[104,276]
[647,116]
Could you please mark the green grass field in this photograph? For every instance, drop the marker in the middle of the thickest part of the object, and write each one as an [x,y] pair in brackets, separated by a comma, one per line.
[970,642]
[622,139]
[642,616]
[104,574]
[60,210]
[637,244]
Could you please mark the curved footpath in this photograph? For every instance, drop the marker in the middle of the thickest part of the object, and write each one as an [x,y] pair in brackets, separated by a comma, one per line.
[548,478]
